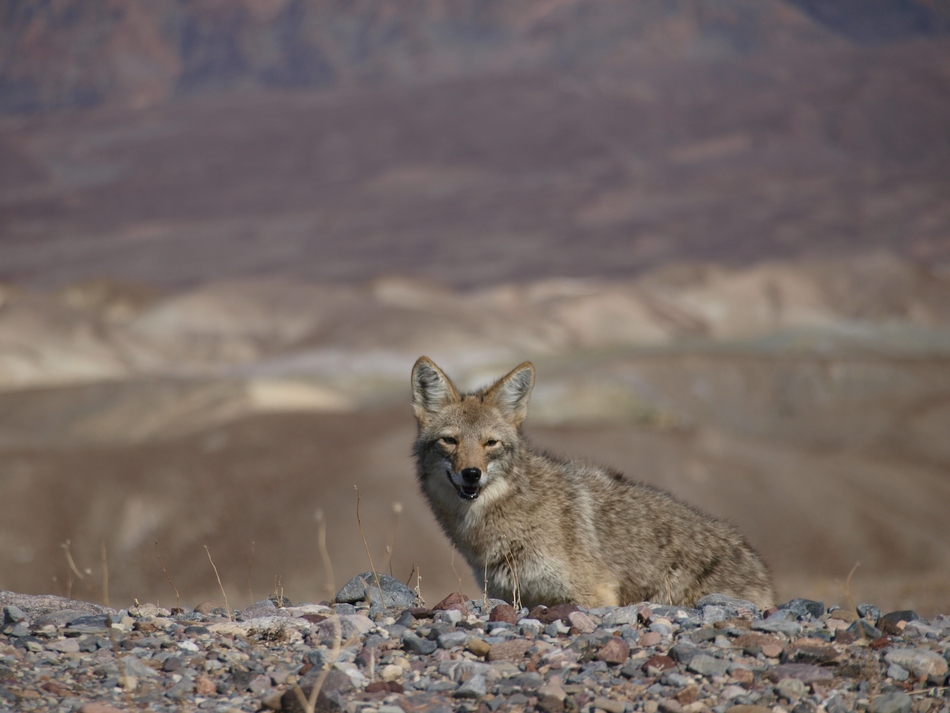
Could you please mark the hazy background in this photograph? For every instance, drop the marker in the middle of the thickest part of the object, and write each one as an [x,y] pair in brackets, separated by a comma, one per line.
[720,229]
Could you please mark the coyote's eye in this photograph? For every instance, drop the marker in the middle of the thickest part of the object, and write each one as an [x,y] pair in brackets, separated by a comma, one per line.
[449,440]
[491,443]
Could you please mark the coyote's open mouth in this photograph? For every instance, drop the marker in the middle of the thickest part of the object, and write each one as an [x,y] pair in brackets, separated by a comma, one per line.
[465,491]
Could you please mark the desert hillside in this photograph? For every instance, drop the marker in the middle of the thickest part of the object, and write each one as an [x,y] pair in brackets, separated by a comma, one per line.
[805,402]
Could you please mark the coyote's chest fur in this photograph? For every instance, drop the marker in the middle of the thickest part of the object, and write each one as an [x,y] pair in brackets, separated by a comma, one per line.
[540,530]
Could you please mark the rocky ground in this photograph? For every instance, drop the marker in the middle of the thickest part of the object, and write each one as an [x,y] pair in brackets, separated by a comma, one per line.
[390,653]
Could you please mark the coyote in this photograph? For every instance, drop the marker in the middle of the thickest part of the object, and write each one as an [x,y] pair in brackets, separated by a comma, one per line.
[544,530]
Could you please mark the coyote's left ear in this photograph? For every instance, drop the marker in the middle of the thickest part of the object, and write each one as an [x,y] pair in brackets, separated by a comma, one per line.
[511,392]
[432,390]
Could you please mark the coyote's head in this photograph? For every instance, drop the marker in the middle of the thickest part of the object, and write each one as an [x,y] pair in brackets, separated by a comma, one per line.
[467,442]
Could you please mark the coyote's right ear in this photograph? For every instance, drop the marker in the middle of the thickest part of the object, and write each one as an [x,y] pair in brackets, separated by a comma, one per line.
[431,390]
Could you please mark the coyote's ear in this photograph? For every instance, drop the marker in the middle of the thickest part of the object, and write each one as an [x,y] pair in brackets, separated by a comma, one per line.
[431,389]
[511,392]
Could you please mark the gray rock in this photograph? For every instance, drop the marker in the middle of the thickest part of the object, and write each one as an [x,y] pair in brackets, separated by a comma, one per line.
[869,612]
[18,630]
[713,613]
[64,646]
[804,607]
[835,704]
[706,665]
[181,690]
[135,667]
[475,687]
[417,645]
[892,702]
[452,639]
[91,624]
[392,589]
[621,616]
[807,673]
[778,626]
[259,609]
[684,653]
[920,662]
[865,628]
[724,600]
[792,688]
[898,616]
[39,604]
[898,673]
[391,598]
[677,613]
[13,614]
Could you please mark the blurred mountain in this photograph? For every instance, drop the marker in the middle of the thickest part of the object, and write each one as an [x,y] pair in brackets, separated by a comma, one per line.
[813,147]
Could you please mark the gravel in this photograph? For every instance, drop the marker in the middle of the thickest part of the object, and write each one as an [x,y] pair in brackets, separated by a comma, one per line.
[358,656]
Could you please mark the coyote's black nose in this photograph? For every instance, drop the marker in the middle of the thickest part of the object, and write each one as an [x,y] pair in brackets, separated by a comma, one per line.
[471,475]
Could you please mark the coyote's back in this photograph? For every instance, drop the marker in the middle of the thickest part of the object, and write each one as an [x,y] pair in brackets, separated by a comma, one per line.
[545,530]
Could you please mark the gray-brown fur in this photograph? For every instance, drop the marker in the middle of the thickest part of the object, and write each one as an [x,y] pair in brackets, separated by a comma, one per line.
[554,530]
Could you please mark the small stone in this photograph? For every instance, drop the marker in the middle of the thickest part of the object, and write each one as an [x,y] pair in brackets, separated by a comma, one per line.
[614,652]
[581,623]
[706,665]
[684,653]
[655,665]
[475,687]
[64,646]
[896,617]
[505,613]
[417,645]
[778,626]
[898,673]
[511,650]
[742,676]
[920,662]
[394,592]
[98,708]
[530,627]
[748,709]
[688,695]
[892,702]
[259,685]
[12,614]
[731,691]
[558,612]
[670,705]
[609,705]
[864,628]
[330,697]
[806,673]
[478,646]
[456,600]
[391,672]
[792,688]
[623,616]
[808,651]
[805,607]
[551,697]
[204,686]
[452,639]
[842,636]
[650,638]
[728,602]
[835,704]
